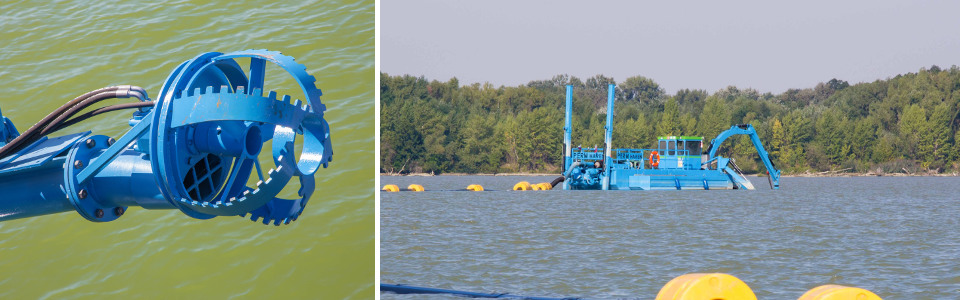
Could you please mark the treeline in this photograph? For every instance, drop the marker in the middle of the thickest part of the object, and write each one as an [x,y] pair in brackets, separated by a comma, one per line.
[904,124]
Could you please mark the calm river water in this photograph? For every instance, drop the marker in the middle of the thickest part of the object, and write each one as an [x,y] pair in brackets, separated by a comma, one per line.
[53,51]
[898,237]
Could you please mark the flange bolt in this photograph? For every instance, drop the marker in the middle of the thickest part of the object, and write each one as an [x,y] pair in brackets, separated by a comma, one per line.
[78,164]
[118,211]
[82,194]
[98,213]
[91,143]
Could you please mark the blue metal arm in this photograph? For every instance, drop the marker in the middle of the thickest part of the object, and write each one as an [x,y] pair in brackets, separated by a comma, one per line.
[194,150]
[747,129]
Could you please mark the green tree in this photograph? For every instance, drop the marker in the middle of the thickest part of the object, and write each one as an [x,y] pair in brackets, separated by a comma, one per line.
[714,119]
[670,119]
[642,89]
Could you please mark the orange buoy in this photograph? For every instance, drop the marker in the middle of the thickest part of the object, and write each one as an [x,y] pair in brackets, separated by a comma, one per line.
[391,188]
[415,188]
[475,188]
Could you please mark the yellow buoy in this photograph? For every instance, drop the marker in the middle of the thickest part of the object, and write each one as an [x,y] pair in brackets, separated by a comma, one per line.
[522,186]
[706,286]
[391,188]
[837,292]
[415,187]
[475,187]
[545,186]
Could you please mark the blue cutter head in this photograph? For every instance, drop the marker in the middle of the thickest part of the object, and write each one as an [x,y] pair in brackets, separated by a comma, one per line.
[211,122]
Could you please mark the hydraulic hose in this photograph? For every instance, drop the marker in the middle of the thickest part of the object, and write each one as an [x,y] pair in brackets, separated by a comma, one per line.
[120,93]
[50,123]
[102,110]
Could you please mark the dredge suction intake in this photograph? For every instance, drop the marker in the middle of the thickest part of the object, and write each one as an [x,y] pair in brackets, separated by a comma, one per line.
[193,149]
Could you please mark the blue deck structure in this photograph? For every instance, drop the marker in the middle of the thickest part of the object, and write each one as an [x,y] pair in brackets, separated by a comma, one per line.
[677,163]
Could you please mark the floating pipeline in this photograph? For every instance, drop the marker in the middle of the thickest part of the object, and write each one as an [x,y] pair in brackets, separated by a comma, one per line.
[695,286]
[419,188]
[520,186]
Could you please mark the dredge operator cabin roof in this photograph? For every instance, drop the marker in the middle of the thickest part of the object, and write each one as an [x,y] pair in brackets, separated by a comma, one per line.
[683,137]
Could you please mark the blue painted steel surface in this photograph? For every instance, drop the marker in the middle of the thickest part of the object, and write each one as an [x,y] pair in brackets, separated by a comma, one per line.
[194,150]
[681,166]
[608,138]
[747,129]
[567,131]
[7,131]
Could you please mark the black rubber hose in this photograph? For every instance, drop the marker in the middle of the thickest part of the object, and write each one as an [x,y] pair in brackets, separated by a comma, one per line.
[557,181]
[83,105]
[102,110]
[52,120]
[28,136]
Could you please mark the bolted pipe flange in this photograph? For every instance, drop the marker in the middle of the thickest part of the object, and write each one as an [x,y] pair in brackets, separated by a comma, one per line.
[83,197]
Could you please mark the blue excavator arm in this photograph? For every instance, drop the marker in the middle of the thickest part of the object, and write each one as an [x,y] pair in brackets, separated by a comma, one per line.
[747,129]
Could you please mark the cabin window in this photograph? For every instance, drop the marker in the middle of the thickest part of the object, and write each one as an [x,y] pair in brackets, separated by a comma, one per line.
[693,147]
[671,146]
[662,146]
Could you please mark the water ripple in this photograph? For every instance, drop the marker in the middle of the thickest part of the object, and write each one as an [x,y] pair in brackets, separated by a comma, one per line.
[900,243]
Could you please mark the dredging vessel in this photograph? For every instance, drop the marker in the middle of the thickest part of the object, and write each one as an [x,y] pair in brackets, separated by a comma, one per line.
[677,162]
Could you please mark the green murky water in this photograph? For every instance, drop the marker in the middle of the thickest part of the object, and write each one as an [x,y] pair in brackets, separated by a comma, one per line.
[53,51]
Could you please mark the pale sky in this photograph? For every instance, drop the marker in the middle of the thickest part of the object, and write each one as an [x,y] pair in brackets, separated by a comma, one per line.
[770,46]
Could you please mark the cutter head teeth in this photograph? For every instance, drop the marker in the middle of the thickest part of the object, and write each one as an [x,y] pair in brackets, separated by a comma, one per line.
[272,96]
[257,92]
[298,103]
[209,89]
[241,90]
[285,99]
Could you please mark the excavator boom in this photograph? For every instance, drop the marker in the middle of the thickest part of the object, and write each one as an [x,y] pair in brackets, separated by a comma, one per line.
[747,129]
